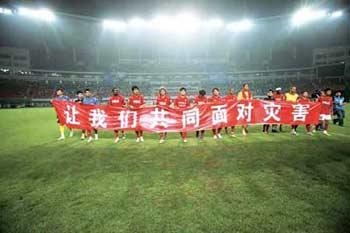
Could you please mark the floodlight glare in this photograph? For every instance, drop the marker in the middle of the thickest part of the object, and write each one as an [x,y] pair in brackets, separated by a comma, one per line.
[137,23]
[240,26]
[5,11]
[163,23]
[42,14]
[114,25]
[215,23]
[336,14]
[306,15]
[187,23]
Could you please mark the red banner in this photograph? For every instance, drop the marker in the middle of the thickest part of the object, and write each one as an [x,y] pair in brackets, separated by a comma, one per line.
[206,116]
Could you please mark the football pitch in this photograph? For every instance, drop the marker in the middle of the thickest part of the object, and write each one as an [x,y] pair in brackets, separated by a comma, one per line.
[260,183]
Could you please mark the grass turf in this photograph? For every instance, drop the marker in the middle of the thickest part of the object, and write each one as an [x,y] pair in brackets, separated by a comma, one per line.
[261,183]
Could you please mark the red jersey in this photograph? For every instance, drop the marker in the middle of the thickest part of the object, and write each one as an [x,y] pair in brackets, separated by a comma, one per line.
[326,104]
[163,100]
[215,99]
[200,99]
[116,100]
[182,102]
[303,100]
[279,97]
[136,101]
[230,98]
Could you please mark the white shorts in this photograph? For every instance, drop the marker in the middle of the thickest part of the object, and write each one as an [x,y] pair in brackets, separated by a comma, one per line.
[325,117]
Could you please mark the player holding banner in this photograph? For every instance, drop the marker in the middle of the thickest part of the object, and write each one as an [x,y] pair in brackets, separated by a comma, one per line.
[90,100]
[231,97]
[182,102]
[199,100]
[163,100]
[136,101]
[79,100]
[215,98]
[304,99]
[117,100]
[292,97]
[245,94]
[326,109]
[59,95]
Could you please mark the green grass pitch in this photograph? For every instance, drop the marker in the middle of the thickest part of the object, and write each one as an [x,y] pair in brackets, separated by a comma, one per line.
[261,183]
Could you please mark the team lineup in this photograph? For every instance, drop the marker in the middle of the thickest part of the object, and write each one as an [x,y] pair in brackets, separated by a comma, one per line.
[136,101]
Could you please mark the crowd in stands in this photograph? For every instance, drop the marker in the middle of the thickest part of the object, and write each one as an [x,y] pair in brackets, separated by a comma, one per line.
[19,88]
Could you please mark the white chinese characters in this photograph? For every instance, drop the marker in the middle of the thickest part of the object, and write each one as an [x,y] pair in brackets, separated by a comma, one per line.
[272,111]
[219,114]
[98,118]
[190,117]
[245,112]
[124,119]
[71,115]
[159,118]
[300,111]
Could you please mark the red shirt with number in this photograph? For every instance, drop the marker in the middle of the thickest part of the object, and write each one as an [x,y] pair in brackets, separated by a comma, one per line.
[326,104]
[279,97]
[182,102]
[303,100]
[215,99]
[230,98]
[117,101]
[136,101]
[163,100]
[200,99]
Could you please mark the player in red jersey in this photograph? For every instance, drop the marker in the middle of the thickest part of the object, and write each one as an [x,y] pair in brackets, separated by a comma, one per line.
[199,100]
[163,100]
[326,109]
[231,97]
[216,98]
[117,100]
[182,102]
[305,99]
[135,102]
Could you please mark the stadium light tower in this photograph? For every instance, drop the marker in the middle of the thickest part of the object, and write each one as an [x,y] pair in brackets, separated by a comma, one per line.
[306,15]
[114,25]
[41,14]
[240,26]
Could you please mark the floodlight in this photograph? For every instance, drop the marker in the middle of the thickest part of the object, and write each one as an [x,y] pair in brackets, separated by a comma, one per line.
[163,23]
[137,22]
[215,23]
[187,23]
[336,14]
[5,11]
[240,26]
[42,14]
[306,15]
[114,25]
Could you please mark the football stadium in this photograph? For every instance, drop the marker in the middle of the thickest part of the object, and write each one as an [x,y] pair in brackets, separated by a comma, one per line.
[175,116]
